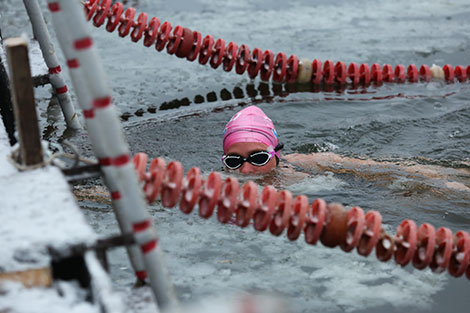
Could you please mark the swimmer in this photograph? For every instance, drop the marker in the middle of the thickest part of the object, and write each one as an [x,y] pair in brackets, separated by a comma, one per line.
[250,142]
[251,145]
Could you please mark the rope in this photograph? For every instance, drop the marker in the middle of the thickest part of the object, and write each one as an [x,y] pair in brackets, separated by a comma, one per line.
[49,158]
[331,224]
[185,43]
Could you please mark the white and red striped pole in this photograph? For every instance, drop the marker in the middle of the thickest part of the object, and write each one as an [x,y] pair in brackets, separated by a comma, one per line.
[47,48]
[109,143]
[85,101]
[133,251]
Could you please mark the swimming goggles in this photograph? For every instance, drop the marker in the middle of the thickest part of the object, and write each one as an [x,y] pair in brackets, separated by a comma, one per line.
[257,158]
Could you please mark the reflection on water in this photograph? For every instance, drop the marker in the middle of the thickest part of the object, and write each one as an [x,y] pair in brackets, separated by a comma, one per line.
[267,92]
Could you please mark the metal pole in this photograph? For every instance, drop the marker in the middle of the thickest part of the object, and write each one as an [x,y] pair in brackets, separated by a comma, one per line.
[111,147]
[48,52]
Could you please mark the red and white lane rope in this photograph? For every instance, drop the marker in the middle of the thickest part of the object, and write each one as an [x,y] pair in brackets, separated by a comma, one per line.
[109,144]
[331,224]
[189,44]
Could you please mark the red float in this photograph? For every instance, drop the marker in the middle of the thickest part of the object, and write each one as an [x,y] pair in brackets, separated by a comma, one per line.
[340,73]
[405,241]
[460,254]
[292,69]
[196,47]
[299,215]
[376,73]
[91,7]
[191,189]
[400,75]
[370,236]
[218,54]
[448,73]
[230,56]
[280,66]
[412,73]
[282,216]
[163,36]
[243,59]
[206,49]
[316,217]
[151,32]
[210,195]
[228,201]
[140,164]
[115,17]
[317,74]
[385,247]
[127,22]
[186,44]
[426,243]
[256,62]
[387,73]
[424,73]
[172,183]
[267,66]
[101,14]
[247,205]
[154,179]
[263,215]
[443,252]
[460,73]
[328,72]
[353,73]
[174,40]
[364,74]
[356,223]
[139,27]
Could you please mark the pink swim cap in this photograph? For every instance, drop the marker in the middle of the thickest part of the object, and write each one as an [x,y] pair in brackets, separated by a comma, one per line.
[251,125]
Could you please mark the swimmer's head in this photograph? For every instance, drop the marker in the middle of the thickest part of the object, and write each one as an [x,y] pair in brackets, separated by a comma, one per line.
[248,131]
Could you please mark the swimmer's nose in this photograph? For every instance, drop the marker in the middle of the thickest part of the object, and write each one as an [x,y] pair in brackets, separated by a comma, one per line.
[247,168]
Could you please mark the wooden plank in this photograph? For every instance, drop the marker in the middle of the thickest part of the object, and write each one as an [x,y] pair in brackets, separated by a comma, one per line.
[40,277]
[23,101]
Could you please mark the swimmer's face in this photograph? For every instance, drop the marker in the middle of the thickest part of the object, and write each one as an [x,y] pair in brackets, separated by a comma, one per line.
[244,149]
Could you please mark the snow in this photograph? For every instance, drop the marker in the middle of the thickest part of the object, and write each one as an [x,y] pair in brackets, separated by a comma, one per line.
[102,286]
[38,300]
[36,61]
[39,211]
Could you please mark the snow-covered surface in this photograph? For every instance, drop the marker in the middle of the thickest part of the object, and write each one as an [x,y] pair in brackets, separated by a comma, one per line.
[36,61]
[15,298]
[102,287]
[39,211]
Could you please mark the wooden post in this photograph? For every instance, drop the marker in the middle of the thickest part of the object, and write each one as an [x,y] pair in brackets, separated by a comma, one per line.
[23,101]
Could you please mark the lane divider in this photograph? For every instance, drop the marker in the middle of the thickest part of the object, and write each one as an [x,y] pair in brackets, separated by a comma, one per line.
[186,43]
[328,223]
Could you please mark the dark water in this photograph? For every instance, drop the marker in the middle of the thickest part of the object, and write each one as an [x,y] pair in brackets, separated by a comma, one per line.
[176,109]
